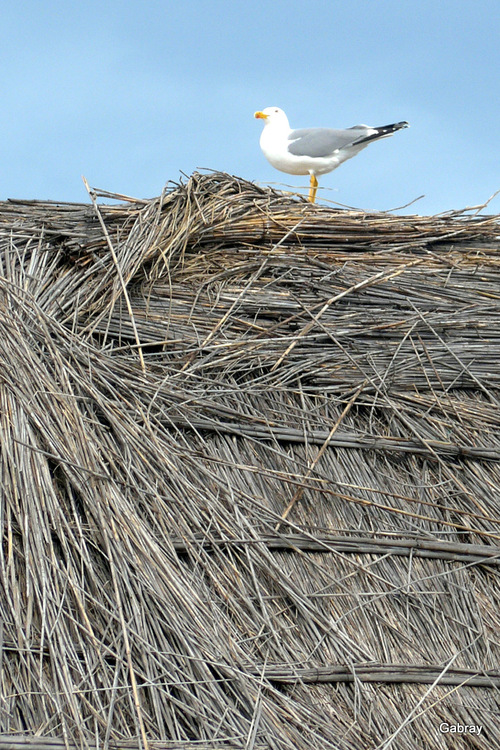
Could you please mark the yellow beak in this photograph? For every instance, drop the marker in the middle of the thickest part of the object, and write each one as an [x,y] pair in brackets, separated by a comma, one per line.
[261,116]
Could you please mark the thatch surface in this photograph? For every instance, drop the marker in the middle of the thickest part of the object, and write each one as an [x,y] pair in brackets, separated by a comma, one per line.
[250,464]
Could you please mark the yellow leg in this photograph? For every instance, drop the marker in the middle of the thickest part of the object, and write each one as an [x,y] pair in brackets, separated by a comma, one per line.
[313,188]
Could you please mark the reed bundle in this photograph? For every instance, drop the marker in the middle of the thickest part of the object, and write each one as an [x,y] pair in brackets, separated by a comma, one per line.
[250,470]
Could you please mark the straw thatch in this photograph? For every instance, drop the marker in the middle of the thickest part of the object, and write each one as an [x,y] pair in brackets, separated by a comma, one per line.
[250,469]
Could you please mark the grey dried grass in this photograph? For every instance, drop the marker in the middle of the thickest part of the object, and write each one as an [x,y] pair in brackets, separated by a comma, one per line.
[249,471]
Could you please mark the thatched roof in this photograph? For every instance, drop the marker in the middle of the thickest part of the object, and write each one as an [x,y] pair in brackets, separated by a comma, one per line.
[250,470]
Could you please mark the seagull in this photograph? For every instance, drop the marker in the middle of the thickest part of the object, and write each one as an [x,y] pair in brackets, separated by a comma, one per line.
[314,151]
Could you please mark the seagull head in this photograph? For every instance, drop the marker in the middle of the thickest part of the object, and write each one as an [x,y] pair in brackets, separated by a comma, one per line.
[273,116]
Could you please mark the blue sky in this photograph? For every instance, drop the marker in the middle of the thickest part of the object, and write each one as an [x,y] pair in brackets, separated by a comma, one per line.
[131,94]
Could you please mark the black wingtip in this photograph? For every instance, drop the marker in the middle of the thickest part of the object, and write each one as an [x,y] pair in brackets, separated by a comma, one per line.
[384,131]
[395,126]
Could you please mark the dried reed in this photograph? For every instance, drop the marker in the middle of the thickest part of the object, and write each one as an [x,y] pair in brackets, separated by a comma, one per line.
[249,465]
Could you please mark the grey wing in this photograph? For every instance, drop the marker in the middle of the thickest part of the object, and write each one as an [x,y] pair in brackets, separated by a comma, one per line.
[319,142]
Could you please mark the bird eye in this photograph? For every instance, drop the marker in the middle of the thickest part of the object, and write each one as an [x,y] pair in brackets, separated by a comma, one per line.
[275,111]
